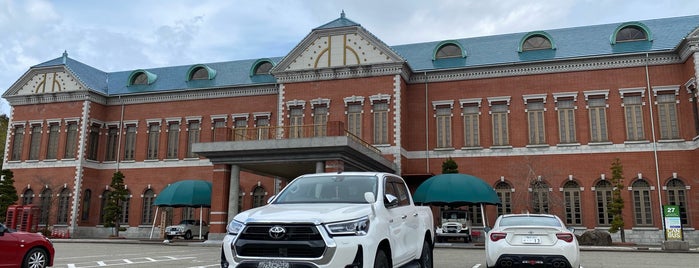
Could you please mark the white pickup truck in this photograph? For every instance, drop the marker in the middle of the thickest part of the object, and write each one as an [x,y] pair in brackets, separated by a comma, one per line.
[345,219]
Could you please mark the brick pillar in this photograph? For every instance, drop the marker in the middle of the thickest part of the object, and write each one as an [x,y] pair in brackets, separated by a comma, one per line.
[219,199]
[334,166]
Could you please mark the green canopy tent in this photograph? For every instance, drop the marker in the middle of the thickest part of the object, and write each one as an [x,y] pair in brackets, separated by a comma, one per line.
[456,189]
[186,193]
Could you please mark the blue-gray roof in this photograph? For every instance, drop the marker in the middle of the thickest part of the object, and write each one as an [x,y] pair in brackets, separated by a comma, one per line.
[588,41]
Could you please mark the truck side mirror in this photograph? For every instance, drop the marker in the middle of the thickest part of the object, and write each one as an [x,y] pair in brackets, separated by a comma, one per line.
[390,201]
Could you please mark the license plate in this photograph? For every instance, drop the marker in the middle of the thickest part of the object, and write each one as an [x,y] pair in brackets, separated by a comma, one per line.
[531,240]
[173,233]
[273,264]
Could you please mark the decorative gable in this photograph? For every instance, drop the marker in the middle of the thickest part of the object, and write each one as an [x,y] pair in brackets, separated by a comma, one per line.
[334,47]
[55,80]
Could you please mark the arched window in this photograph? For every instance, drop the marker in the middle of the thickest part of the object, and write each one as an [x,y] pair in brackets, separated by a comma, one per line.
[677,195]
[200,72]
[540,197]
[63,204]
[571,199]
[504,191]
[148,211]
[104,199]
[28,197]
[45,196]
[258,197]
[263,68]
[641,202]
[631,32]
[448,50]
[142,77]
[125,205]
[87,196]
[536,42]
[603,192]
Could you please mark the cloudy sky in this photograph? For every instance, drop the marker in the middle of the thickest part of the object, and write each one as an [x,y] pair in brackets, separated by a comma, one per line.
[138,34]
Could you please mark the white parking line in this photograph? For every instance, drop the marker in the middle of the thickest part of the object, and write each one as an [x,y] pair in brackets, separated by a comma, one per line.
[127,262]
[476,266]
[101,263]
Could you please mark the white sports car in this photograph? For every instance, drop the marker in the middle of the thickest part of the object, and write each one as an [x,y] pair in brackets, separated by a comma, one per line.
[531,240]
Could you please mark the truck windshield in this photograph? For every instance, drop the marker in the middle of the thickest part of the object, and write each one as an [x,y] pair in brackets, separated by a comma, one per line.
[328,189]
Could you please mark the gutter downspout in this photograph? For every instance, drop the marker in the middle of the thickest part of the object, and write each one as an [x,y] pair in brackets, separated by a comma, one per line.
[655,147]
[427,129]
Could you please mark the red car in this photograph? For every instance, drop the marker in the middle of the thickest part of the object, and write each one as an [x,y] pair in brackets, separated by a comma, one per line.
[26,250]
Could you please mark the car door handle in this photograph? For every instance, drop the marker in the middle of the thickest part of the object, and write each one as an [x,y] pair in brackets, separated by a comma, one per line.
[404,216]
[415,214]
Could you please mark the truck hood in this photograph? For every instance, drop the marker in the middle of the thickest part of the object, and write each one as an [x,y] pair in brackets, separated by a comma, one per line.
[310,213]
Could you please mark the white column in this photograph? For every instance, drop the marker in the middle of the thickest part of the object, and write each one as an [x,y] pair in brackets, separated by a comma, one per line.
[234,192]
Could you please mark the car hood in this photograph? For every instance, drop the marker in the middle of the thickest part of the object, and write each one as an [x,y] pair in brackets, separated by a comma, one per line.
[311,213]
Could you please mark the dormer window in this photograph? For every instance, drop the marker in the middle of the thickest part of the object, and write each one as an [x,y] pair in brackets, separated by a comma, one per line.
[261,67]
[141,77]
[200,72]
[631,32]
[448,50]
[536,41]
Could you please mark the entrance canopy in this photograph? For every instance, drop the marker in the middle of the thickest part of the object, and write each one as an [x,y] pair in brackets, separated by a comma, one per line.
[455,190]
[186,193]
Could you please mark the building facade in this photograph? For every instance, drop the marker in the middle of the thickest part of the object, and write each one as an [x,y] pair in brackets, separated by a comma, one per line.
[541,116]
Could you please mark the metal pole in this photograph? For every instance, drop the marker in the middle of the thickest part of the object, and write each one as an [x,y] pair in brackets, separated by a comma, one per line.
[655,148]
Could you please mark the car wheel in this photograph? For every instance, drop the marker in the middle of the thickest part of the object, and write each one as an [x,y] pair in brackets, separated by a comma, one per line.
[188,235]
[36,258]
[426,256]
[381,261]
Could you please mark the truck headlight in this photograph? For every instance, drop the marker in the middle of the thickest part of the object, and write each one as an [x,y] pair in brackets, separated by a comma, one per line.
[353,227]
[234,227]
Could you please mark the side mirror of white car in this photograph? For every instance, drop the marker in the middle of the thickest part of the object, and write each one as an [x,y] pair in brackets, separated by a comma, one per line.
[371,199]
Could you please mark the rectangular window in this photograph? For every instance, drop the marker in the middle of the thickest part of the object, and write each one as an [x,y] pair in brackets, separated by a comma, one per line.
[35,142]
[535,118]
[240,129]
[193,130]
[296,122]
[443,115]
[153,141]
[71,140]
[173,139]
[130,142]
[220,128]
[112,143]
[642,209]
[634,118]
[500,124]
[471,126]
[93,140]
[667,116]
[320,120]
[17,143]
[263,129]
[354,118]
[380,110]
[52,146]
[566,121]
[598,119]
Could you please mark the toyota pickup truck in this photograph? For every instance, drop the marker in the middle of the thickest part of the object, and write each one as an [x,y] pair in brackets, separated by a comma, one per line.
[345,219]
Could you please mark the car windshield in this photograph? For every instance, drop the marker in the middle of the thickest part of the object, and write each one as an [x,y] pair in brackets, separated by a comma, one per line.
[328,189]
[529,221]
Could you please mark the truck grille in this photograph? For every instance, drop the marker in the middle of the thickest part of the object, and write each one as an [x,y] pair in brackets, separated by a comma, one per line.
[299,241]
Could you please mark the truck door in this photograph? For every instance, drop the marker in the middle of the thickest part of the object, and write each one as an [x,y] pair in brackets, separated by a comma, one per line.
[401,235]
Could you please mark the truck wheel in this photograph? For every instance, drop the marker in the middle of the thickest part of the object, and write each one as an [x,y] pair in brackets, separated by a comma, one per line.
[426,256]
[188,235]
[381,261]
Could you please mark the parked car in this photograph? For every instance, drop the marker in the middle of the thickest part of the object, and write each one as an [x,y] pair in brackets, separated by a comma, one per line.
[518,240]
[23,249]
[188,229]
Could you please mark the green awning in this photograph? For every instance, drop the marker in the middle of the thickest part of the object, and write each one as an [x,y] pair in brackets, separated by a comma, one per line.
[186,193]
[455,190]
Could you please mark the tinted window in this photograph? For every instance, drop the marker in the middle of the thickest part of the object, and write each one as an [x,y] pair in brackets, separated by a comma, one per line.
[529,221]
[334,189]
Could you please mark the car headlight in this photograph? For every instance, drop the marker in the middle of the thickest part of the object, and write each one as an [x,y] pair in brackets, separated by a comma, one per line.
[354,227]
[234,227]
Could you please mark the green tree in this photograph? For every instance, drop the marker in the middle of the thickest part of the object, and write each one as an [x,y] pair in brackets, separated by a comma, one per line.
[617,205]
[449,166]
[8,192]
[114,207]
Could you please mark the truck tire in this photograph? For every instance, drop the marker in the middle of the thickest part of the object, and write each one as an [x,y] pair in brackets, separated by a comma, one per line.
[426,256]
[381,261]
[188,235]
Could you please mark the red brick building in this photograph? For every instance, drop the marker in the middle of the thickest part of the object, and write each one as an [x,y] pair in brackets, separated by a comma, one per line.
[541,116]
